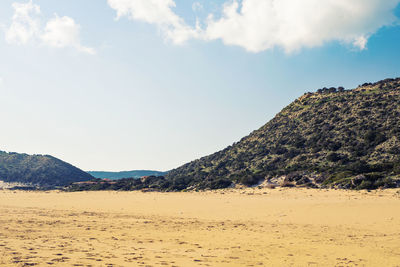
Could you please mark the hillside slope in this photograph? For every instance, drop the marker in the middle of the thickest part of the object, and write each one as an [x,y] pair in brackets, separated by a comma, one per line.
[41,170]
[334,137]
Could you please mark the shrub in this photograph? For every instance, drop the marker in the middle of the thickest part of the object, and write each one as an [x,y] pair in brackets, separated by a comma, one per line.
[217,184]
[337,177]
[365,185]
[286,183]
[388,183]
[249,180]
[333,157]
[358,167]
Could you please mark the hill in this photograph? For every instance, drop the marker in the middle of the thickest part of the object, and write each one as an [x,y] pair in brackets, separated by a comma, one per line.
[40,170]
[331,138]
[125,174]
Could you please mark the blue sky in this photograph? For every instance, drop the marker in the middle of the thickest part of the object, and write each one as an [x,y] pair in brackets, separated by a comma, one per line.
[152,91]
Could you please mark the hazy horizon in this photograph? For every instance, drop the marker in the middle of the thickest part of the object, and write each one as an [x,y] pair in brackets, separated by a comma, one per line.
[150,85]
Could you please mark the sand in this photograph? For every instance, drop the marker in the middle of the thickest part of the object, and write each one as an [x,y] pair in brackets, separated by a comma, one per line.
[254,227]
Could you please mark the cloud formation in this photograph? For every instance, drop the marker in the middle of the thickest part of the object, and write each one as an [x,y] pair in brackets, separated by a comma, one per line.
[197,6]
[158,12]
[259,25]
[58,32]
[63,32]
[25,23]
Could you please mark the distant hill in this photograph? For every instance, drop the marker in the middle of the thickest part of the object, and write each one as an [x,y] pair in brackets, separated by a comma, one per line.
[41,170]
[331,138]
[125,174]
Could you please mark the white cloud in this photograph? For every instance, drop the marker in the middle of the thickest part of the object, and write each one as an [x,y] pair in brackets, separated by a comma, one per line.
[158,12]
[58,32]
[197,6]
[25,23]
[360,42]
[63,32]
[258,25]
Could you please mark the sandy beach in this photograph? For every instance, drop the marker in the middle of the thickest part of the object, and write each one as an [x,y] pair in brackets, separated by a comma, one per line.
[251,227]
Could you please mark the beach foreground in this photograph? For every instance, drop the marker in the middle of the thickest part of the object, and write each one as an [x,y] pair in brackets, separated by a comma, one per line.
[251,227]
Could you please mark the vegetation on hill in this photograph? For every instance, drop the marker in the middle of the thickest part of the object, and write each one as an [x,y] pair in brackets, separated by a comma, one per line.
[157,183]
[40,170]
[332,138]
[125,174]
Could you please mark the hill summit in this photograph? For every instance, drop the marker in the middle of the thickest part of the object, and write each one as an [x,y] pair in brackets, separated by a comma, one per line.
[38,170]
[331,138]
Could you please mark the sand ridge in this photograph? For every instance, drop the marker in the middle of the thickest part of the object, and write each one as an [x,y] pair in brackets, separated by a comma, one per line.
[251,227]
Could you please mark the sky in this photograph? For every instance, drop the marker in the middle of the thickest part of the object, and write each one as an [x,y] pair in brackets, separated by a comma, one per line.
[152,84]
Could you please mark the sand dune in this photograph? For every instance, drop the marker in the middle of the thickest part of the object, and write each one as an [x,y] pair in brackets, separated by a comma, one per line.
[254,227]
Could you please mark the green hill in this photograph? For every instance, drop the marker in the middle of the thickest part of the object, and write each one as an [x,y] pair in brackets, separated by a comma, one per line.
[331,138]
[41,170]
[125,174]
